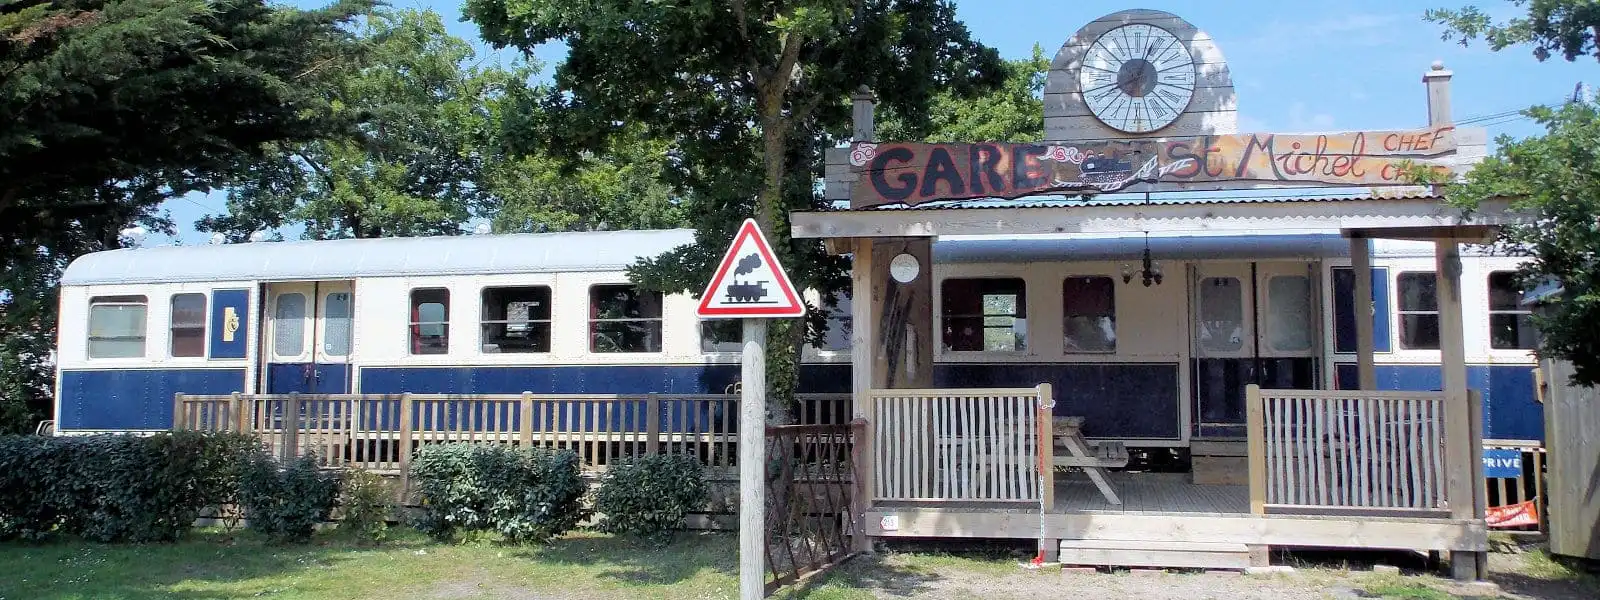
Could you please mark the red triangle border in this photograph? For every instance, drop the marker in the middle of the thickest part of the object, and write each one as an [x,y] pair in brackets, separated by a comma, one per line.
[794,308]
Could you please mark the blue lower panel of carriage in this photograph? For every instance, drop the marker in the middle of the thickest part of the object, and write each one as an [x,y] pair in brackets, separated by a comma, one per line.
[676,416]
[308,378]
[1122,400]
[118,399]
[1509,409]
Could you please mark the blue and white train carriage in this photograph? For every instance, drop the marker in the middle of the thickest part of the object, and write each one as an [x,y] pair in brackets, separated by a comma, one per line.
[1156,366]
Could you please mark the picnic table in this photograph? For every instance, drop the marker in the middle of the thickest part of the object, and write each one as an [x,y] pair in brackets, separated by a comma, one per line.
[1094,460]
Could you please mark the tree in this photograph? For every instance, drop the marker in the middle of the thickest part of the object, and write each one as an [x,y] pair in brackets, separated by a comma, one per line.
[412,158]
[1555,177]
[110,107]
[749,92]
[1012,113]
[623,188]
[1565,27]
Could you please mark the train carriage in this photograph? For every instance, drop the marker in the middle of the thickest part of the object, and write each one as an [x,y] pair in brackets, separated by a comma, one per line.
[1157,366]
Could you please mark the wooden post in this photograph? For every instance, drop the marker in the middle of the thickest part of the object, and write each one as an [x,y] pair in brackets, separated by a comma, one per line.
[1047,460]
[177,412]
[652,424]
[862,329]
[291,428]
[1361,264]
[235,413]
[1462,455]
[403,441]
[525,416]
[752,462]
[1256,433]
[860,483]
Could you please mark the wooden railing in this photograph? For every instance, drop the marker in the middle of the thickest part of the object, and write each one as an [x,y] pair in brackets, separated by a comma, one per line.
[977,445]
[380,432]
[1341,451]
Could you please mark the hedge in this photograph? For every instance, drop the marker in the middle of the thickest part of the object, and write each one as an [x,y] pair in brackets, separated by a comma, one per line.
[524,494]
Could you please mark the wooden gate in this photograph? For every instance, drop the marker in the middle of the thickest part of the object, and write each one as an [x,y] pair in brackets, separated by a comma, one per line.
[809,525]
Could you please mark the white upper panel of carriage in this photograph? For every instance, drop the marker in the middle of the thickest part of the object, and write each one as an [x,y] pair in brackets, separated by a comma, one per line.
[347,259]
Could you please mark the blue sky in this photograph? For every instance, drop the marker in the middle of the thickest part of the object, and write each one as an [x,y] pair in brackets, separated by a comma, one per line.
[1296,66]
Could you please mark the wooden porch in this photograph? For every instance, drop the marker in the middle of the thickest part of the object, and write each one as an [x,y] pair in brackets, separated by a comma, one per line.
[1327,469]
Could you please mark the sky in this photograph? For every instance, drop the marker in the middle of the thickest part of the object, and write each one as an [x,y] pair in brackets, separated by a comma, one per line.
[1296,66]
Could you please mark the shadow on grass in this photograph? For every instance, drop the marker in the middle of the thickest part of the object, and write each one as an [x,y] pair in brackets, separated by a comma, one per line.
[634,561]
[220,564]
[877,573]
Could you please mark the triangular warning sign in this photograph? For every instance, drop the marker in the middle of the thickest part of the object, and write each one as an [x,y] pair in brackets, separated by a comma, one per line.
[750,284]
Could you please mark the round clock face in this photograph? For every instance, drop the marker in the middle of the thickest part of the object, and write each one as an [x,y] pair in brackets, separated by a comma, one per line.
[1137,78]
[904,268]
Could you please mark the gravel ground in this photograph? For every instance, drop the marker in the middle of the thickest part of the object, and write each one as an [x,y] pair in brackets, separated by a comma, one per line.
[1514,576]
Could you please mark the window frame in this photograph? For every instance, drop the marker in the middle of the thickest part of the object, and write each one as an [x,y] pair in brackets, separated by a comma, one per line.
[305,320]
[140,300]
[1244,302]
[1067,314]
[1020,347]
[1492,312]
[659,319]
[1400,312]
[707,324]
[203,325]
[323,319]
[414,322]
[484,322]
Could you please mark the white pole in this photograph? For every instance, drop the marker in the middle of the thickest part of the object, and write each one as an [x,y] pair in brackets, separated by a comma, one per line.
[752,462]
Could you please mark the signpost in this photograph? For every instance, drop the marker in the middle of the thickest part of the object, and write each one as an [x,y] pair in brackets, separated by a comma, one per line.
[750,284]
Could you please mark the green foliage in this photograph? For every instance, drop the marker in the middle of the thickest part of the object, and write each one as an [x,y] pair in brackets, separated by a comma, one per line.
[364,502]
[524,494]
[650,496]
[115,488]
[749,94]
[1012,113]
[286,502]
[1555,177]
[1565,27]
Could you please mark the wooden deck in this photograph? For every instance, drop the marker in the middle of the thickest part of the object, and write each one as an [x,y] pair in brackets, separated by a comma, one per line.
[1150,493]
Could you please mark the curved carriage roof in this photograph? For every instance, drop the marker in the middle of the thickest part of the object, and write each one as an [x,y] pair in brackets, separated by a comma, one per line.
[384,257]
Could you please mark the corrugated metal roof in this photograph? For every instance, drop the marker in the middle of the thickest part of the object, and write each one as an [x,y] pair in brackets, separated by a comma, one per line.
[345,259]
[1135,200]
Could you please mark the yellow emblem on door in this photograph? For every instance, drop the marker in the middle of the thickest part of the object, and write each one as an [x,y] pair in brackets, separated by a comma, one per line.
[230,323]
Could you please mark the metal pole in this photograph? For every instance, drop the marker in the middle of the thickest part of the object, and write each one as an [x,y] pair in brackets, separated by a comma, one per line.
[752,462]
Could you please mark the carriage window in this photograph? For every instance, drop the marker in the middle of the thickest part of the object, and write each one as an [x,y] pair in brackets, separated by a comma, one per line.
[985,314]
[721,335]
[837,337]
[430,321]
[116,326]
[188,325]
[1510,325]
[336,312]
[516,319]
[1090,308]
[289,325]
[1289,322]
[1419,310]
[1221,314]
[623,318]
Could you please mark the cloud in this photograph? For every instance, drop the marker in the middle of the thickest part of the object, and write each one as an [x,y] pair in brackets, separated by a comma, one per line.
[1300,121]
[1249,124]
[1358,29]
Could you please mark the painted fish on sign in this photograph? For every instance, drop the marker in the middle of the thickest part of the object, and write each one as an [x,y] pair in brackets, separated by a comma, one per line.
[911,174]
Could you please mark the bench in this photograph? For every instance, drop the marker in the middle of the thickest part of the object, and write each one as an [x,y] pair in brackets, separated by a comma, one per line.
[1094,460]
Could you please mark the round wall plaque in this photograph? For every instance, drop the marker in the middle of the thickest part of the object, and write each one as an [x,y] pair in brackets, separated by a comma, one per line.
[904,268]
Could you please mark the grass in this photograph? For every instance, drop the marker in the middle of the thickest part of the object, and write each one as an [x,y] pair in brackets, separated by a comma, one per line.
[1539,564]
[1399,590]
[212,564]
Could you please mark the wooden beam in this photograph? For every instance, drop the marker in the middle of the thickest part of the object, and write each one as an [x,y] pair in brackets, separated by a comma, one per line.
[1272,530]
[838,246]
[1364,304]
[1241,217]
[1472,234]
[1256,433]
[863,333]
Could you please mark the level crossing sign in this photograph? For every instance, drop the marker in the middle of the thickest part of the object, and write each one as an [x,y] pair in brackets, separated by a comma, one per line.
[749,283]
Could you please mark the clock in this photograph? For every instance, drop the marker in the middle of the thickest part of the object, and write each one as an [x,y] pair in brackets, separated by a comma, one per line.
[1137,78]
[904,268]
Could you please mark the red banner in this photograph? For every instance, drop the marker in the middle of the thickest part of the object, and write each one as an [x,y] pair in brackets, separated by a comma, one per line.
[1516,515]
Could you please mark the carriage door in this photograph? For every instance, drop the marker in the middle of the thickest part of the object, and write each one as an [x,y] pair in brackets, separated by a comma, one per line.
[1290,332]
[1223,345]
[309,338]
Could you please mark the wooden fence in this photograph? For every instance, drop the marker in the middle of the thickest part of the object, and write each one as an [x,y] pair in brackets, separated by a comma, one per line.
[1362,450]
[380,432]
[959,445]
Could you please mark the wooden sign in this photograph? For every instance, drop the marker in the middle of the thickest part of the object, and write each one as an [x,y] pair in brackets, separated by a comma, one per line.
[893,173]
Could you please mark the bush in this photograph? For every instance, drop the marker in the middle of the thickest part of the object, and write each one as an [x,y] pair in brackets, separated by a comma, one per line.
[364,505]
[652,495]
[286,502]
[524,494]
[115,488]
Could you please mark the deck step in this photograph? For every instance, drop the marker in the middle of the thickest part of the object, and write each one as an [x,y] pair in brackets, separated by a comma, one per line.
[1128,553]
